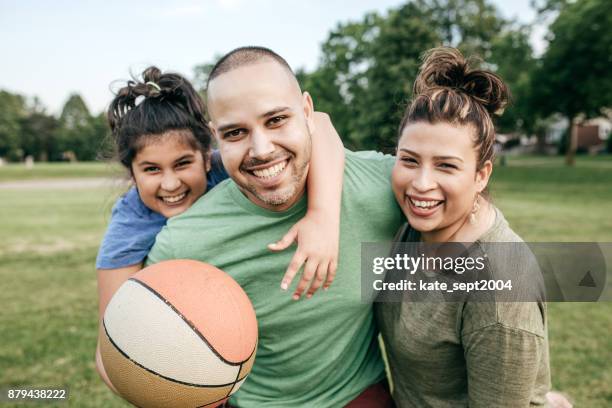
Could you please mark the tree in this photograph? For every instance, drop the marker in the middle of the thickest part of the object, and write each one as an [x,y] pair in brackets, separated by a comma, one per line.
[12,111]
[337,86]
[77,133]
[405,34]
[512,57]
[39,136]
[574,78]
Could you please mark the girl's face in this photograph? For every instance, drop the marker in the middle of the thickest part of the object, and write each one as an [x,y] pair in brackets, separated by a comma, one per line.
[169,174]
[435,180]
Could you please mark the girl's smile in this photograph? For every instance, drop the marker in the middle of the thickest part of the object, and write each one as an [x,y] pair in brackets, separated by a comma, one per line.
[169,174]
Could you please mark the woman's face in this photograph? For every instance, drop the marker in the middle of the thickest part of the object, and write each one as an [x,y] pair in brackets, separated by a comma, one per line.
[435,180]
[169,174]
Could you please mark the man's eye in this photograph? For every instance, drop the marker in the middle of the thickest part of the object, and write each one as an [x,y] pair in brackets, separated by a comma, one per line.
[276,120]
[233,133]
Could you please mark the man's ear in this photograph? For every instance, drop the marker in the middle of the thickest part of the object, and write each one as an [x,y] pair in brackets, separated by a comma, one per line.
[483,175]
[308,111]
[213,131]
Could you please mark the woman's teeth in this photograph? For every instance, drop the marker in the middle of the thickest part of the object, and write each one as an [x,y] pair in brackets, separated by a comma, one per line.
[174,199]
[270,171]
[425,204]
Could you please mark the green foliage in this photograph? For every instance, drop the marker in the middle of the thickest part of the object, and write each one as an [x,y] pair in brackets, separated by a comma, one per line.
[512,56]
[27,130]
[12,110]
[39,137]
[575,75]
[364,79]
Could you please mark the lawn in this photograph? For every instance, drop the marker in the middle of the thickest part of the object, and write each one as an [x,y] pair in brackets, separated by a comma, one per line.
[48,242]
[18,171]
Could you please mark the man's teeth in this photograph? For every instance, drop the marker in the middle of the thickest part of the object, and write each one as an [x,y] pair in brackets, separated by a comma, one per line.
[174,199]
[270,171]
[425,204]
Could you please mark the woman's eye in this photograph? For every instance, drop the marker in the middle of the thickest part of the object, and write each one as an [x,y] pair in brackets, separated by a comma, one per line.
[447,166]
[151,169]
[409,160]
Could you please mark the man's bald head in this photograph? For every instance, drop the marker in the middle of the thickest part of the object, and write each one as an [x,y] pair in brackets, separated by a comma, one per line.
[243,56]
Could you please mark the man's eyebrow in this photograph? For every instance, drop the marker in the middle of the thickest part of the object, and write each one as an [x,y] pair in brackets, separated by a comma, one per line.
[274,111]
[435,157]
[269,113]
[228,127]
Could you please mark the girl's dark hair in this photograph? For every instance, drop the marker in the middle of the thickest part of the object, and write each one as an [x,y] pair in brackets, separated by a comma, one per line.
[159,103]
[448,90]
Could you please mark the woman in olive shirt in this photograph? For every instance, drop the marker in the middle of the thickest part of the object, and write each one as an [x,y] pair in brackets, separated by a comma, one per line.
[461,353]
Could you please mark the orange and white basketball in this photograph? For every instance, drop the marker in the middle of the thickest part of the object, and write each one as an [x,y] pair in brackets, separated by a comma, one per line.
[179,333]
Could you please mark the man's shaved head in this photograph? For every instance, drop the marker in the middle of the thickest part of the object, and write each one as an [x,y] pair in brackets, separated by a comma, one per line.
[243,56]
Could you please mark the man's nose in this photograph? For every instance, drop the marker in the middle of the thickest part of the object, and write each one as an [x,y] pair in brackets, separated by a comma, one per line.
[261,144]
[170,181]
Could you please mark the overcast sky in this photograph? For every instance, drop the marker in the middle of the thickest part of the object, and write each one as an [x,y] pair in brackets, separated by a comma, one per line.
[53,48]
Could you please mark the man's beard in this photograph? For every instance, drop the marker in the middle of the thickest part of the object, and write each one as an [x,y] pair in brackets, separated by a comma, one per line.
[283,195]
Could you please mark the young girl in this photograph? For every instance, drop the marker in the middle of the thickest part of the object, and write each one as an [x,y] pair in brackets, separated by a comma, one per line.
[464,353]
[163,140]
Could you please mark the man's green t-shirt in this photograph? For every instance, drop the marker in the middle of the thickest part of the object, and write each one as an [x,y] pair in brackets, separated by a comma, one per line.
[320,352]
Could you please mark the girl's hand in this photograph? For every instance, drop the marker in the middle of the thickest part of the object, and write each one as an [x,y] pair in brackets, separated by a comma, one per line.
[317,240]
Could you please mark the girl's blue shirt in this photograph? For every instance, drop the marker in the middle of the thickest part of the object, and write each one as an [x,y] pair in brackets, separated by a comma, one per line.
[133,226]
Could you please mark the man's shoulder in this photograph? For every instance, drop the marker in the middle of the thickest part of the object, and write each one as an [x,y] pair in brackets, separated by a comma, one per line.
[215,202]
[369,163]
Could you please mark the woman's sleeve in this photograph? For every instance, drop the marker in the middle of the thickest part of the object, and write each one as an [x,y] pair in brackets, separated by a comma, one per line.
[130,233]
[507,366]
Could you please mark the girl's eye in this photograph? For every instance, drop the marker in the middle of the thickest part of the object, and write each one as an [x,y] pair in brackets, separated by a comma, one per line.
[447,166]
[151,169]
[183,163]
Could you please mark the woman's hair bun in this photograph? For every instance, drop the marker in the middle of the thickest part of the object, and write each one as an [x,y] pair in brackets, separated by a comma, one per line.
[445,67]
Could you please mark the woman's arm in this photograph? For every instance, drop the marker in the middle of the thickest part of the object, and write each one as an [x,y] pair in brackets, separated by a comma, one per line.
[318,233]
[507,363]
[109,280]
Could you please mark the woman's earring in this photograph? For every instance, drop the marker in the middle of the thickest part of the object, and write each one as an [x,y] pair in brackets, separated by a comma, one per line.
[475,209]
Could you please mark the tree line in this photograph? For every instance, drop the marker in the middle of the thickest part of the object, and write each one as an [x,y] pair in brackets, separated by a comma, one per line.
[367,67]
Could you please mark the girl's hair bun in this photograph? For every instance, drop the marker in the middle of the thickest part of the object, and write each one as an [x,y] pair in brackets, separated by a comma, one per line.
[445,67]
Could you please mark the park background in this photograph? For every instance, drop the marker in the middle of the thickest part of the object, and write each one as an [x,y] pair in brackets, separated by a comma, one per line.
[553,181]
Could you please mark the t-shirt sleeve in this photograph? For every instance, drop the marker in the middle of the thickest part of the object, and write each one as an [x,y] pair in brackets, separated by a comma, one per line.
[384,161]
[217,172]
[503,366]
[162,249]
[130,233]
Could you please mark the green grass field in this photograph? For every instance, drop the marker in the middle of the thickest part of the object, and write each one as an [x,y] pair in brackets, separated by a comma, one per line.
[17,171]
[49,239]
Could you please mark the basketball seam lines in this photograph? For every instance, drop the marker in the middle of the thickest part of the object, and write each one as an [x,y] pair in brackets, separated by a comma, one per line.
[189,323]
[158,374]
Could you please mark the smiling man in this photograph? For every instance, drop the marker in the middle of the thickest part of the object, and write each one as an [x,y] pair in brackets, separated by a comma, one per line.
[321,352]
[263,129]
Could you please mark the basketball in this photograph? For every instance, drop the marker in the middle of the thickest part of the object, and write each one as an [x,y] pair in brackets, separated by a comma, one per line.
[179,333]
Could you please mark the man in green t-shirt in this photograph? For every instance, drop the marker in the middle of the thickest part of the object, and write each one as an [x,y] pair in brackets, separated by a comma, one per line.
[321,352]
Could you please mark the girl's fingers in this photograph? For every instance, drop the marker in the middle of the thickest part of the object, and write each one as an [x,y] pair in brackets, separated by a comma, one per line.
[309,272]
